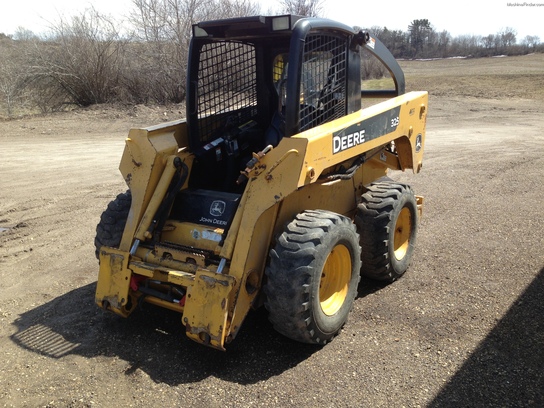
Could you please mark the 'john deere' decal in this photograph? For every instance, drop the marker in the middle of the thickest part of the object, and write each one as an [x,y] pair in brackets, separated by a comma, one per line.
[366,130]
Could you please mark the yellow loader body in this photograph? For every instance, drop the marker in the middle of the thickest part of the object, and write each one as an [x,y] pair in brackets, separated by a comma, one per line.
[284,180]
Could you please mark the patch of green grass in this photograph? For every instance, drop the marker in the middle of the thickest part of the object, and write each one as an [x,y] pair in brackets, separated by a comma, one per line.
[381,83]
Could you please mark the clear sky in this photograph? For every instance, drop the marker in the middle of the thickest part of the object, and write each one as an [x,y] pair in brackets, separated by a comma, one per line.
[479,17]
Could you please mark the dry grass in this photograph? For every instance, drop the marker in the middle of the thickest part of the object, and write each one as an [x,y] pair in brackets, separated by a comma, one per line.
[508,77]
[489,78]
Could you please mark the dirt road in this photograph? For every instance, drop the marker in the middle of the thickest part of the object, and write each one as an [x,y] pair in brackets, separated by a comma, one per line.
[464,327]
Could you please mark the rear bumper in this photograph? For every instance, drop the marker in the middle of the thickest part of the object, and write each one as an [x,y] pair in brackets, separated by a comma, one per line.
[203,296]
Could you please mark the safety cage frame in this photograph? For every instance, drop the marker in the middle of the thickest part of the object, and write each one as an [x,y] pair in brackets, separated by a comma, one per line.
[232,73]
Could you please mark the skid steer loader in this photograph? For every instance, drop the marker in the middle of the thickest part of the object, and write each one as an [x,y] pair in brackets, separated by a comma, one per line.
[273,190]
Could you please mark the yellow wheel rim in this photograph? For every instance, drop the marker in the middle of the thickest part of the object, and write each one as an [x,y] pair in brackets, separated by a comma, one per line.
[335,277]
[403,231]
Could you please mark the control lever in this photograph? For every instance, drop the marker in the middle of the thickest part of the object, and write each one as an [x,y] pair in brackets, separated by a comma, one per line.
[244,175]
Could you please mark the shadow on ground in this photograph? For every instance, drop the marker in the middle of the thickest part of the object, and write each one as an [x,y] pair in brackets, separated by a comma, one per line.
[507,369]
[154,341]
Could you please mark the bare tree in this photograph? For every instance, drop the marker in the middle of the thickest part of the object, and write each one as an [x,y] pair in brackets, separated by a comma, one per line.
[531,41]
[508,36]
[82,58]
[23,34]
[238,8]
[487,41]
[12,78]
[310,8]
[158,64]
[444,41]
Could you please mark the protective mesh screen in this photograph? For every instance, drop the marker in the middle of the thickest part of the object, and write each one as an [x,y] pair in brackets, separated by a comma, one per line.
[323,80]
[227,82]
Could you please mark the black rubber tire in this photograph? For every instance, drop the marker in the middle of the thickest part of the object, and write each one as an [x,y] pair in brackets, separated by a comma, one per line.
[109,230]
[378,224]
[302,261]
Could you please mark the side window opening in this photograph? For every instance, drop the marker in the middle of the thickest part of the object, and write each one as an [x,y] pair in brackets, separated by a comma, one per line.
[279,73]
[374,77]
[323,80]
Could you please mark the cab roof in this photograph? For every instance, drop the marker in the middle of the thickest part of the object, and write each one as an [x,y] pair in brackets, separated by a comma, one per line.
[259,26]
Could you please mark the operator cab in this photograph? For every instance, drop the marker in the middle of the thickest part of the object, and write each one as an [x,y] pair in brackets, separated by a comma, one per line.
[254,80]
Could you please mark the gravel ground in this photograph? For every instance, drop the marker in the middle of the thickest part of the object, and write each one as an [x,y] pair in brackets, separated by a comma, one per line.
[463,327]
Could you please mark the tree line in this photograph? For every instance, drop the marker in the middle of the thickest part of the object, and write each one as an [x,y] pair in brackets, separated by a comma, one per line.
[422,40]
[92,58]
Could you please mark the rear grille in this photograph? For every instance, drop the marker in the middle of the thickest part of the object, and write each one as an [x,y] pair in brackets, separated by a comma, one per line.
[227,82]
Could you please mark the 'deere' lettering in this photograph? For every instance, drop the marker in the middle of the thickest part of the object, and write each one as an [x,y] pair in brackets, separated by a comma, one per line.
[341,143]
